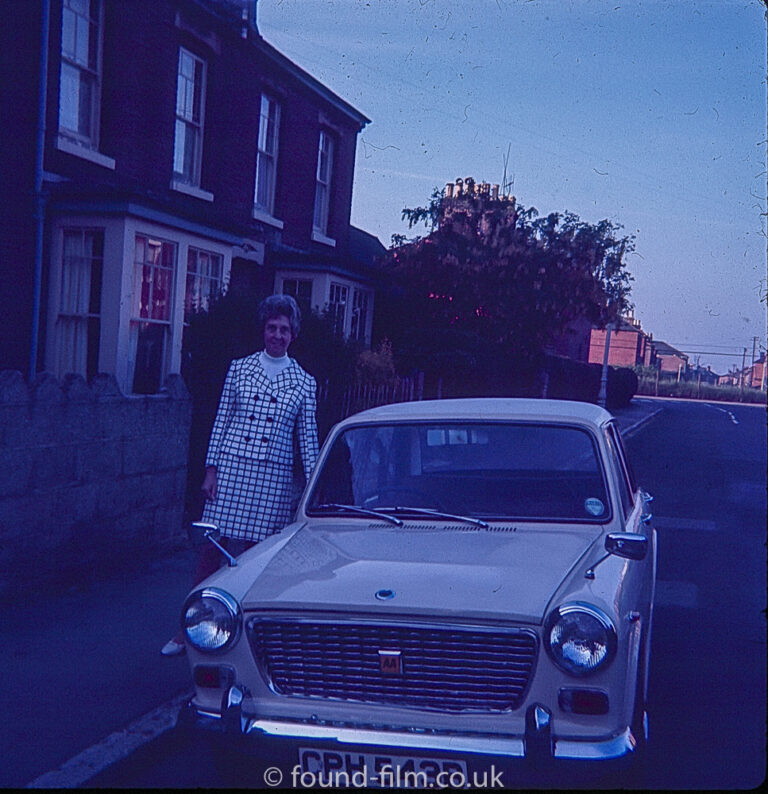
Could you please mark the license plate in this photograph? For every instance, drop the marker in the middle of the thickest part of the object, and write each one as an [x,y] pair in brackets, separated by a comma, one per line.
[378,770]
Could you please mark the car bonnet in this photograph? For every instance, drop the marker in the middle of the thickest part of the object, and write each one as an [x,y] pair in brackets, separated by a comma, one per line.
[428,569]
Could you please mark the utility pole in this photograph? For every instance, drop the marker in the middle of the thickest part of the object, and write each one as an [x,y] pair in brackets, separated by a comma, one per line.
[754,346]
[602,396]
[742,378]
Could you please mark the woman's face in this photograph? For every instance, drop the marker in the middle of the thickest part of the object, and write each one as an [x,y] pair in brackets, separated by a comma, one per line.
[277,336]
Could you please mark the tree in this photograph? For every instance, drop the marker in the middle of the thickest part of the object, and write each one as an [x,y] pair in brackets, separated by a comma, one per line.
[492,278]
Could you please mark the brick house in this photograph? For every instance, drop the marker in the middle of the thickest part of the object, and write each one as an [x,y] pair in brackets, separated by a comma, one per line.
[702,374]
[757,375]
[341,286]
[174,151]
[668,359]
[629,345]
[753,376]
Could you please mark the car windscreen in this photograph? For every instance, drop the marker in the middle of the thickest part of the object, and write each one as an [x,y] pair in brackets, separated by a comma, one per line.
[498,470]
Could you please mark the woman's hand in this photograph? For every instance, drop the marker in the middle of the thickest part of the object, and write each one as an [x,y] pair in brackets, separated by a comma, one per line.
[209,483]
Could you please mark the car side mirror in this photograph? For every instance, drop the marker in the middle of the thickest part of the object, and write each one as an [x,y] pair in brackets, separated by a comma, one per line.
[200,531]
[627,545]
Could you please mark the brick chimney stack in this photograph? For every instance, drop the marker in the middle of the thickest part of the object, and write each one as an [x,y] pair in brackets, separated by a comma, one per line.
[247,16]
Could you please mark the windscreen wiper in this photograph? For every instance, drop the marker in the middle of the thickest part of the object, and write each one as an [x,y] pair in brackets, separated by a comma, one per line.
[363,511]
[426,511]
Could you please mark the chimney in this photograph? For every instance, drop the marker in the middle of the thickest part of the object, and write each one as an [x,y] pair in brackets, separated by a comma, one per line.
[247,17]
[449,190]
[459,186]
[495,192]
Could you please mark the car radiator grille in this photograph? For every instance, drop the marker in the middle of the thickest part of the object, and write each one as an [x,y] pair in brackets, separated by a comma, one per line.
[445,669]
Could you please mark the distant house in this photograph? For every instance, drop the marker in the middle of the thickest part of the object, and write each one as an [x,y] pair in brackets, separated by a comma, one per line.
[628,346]
[753,376]
[668,359]
[757,374]
[731,378]
[181,152]
[702,375]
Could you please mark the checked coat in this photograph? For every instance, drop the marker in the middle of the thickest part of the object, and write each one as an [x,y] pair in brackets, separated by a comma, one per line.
[252,447]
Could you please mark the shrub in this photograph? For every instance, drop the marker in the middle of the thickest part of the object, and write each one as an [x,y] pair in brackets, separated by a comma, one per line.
[700,391]
[621,387]
[376,366]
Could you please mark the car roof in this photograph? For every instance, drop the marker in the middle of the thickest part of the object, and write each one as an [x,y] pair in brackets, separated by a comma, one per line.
[485,408]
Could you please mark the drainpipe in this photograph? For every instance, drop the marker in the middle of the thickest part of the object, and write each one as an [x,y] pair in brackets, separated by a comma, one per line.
[42,93]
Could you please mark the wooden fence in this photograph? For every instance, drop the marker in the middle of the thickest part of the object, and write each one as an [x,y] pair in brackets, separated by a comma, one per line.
[333,405]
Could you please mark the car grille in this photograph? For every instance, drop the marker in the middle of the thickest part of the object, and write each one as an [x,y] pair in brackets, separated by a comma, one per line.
[448,669]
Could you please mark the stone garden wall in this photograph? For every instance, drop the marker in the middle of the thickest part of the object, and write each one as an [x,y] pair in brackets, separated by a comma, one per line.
[90,479]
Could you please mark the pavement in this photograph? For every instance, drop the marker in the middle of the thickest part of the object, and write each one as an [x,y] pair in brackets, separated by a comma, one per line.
[85,681]
[637,413]
[83,664]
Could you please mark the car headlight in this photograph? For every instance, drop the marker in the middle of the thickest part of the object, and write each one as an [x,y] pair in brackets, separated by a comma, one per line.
[580,638]
[211,620]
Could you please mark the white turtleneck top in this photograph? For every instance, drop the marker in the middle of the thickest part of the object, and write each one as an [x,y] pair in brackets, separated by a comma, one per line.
[273,366]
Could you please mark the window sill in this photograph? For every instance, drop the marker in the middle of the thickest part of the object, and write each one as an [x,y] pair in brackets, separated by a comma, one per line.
[64,144]
[321,238]
[265,217]
[191,190]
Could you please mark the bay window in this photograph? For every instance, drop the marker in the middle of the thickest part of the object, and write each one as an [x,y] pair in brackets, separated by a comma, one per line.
[337,307]
[204,280]
[78,324]
[154,271]
[359,320]
[301,290]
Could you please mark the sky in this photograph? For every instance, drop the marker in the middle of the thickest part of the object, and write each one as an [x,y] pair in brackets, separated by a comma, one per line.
[650,113]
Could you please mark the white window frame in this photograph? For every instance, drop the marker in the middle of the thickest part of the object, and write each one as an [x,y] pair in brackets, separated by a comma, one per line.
[338,299]
[72,342]
[205,284]
[115,354]
[81,25]
[137,320]
[295,282]
[358,326]
[323,183]
[267,149]
[190,116]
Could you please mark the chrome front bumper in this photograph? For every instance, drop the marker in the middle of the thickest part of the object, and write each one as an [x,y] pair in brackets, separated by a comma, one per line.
[536,744]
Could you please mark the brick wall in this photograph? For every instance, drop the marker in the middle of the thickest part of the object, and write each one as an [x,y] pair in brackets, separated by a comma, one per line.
[626,348]
[90,479]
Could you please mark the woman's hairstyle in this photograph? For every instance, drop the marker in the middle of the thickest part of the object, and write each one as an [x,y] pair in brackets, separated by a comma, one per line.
[276,305]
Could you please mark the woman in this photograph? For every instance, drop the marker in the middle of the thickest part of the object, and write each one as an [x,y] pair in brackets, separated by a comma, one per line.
[267,397]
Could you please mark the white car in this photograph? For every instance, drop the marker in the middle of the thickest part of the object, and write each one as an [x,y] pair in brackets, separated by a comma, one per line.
[468,584]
